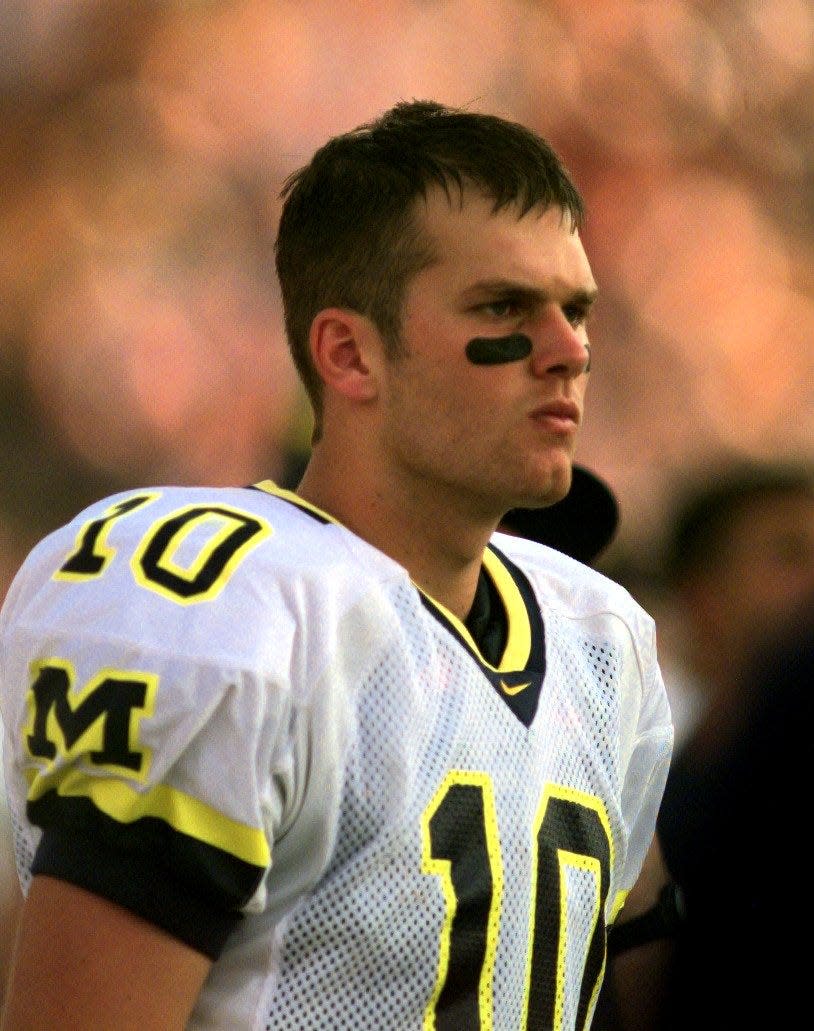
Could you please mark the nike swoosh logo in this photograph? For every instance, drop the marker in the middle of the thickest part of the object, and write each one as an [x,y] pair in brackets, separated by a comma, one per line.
[513,689]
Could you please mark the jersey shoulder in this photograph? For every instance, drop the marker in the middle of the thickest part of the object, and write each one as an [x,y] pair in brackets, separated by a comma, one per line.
[583,601]
[566,583]
[159,526]
[193,561]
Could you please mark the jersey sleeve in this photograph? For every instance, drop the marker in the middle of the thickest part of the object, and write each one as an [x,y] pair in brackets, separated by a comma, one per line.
[152,745]
[646,740]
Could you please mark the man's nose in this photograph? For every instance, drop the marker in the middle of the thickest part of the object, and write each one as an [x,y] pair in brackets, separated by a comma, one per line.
[560,349]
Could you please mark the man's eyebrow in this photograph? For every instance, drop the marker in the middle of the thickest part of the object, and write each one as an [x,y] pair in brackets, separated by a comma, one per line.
[582,296]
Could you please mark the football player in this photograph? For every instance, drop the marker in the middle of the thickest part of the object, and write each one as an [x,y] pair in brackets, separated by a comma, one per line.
[346,757]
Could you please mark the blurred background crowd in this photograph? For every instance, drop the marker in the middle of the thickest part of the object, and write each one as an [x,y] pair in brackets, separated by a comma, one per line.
[143,144]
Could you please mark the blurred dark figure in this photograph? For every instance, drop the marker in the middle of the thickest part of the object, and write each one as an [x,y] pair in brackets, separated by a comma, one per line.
[732,822]
[738,557]
[581,525]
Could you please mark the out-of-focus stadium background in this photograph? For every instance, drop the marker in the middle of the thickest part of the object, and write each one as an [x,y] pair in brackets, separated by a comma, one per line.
[144,144]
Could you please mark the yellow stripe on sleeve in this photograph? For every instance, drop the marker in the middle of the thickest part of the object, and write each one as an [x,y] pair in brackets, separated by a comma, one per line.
[182,812]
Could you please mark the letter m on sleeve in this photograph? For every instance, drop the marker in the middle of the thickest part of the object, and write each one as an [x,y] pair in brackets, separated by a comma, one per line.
[97,725]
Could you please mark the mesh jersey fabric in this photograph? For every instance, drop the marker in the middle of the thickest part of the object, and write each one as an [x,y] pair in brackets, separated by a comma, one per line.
[229,703]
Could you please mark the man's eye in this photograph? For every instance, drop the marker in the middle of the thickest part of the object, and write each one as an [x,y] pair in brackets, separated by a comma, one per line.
[576,314]
[500,309]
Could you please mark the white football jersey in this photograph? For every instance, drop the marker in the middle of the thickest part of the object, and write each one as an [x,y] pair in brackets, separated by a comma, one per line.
[229,713]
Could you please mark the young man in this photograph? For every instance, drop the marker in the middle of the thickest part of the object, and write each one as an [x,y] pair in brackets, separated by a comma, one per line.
[346,758]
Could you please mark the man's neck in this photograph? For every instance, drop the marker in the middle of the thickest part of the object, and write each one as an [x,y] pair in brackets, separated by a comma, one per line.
[440,548]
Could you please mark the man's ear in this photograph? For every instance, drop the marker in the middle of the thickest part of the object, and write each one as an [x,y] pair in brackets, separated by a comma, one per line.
[342,343]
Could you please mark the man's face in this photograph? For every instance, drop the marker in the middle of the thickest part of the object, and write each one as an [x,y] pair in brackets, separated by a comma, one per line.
[497,435]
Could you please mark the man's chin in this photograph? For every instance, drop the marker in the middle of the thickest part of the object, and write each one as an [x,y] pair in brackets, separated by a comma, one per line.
[548,491]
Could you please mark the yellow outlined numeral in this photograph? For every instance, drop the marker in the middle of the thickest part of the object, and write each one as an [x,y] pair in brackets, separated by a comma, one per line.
[216,537]
[227,535]
[571,831]
[571,836]
[92,555]
[460,824]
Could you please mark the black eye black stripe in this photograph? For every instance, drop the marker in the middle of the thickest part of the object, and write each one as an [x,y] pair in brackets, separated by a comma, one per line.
[496,350]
